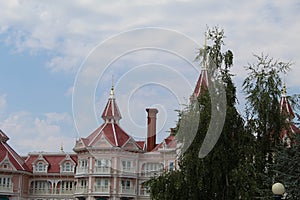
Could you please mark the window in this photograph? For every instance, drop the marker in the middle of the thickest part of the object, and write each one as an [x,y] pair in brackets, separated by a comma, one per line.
[5,182]
[103,163]
[103,182]
[41,185]
[152,169]
[40,167]
[171,166]
[66,185]
[83,163]
[127,165]
[67,167]
[125,184]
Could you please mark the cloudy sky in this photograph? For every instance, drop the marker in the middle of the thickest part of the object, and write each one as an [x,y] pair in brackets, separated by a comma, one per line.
[57,59]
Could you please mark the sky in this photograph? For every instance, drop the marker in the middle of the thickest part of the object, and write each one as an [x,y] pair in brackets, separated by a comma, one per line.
[58,60]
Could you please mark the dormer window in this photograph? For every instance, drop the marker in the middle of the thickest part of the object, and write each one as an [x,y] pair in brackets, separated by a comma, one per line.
[67,167]
[40,167]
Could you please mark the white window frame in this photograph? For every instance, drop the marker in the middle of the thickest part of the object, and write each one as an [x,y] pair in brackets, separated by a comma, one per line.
[40,166]
[127,165]
[103,162]
[5,181]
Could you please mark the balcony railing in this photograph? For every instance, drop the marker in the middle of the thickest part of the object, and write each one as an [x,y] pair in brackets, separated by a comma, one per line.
[81,190]
[6,187]
[128,170]
[102,170]
[52,191]
[127,190]
[102,189]
[151,173]
[65,191]
[40,191]
[82,170]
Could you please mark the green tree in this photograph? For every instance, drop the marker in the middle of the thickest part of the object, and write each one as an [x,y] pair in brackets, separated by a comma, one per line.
[263,88]
[227,172]
[286,167]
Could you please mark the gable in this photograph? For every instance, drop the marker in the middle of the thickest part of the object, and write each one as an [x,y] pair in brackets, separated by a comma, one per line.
[5,164]
[131,145]
[102,142]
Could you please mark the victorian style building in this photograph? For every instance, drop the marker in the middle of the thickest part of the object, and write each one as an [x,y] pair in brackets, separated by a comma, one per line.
[107,164]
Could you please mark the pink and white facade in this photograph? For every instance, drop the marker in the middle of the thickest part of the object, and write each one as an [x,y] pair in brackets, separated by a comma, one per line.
[107,164]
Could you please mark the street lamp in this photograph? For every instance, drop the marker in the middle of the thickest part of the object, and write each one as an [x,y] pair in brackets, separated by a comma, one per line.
[278,191]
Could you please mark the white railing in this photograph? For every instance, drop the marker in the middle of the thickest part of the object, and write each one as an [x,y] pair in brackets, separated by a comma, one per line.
[65,191]
[48,191]
[102,189]
[82,170]
[40,191]
[6,187]
[81,190]
[128,170]
[127,190]
[151,173]
[102,170]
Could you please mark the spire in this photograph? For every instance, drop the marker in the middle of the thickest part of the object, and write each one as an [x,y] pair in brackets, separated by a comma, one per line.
[61,147]
[112,92]
[202,82]
[111,112]
[285,106]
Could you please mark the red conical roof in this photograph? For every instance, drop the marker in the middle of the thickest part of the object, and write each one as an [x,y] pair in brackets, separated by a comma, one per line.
[110,130]
[202,83]
[111,112]
[285,106]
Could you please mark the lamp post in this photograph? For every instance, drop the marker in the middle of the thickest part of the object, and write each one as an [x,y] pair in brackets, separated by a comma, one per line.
[278,191]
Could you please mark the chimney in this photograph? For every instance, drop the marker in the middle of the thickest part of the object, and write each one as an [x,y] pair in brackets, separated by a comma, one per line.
[151,128]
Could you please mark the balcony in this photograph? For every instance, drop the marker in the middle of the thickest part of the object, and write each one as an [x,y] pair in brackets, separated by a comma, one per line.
[81,190]
[39,191]
[102,170]
[82,170]
[127,190]
[66,192]
[102,189]
[151,173]
[52,191]
[130,170]
[6,187]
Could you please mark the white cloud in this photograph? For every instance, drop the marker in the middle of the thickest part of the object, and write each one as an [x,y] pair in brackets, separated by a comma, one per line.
[46,133]
[68,31]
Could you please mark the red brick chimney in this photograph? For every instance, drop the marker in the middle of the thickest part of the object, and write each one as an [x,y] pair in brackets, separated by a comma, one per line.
[151,129]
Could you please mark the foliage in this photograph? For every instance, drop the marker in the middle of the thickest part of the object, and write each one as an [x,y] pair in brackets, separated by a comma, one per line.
[227,172]
[262,88]
[287,167]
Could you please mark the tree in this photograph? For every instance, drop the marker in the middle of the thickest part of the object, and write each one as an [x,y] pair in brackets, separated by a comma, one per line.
[286,167]
[227,171]
[263,88]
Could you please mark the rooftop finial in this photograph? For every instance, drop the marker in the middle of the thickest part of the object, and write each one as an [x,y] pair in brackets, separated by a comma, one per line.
[61,147]
[204,53]
[112,87]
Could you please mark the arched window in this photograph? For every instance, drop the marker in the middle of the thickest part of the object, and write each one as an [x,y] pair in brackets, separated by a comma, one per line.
[40,167]
[67,167]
